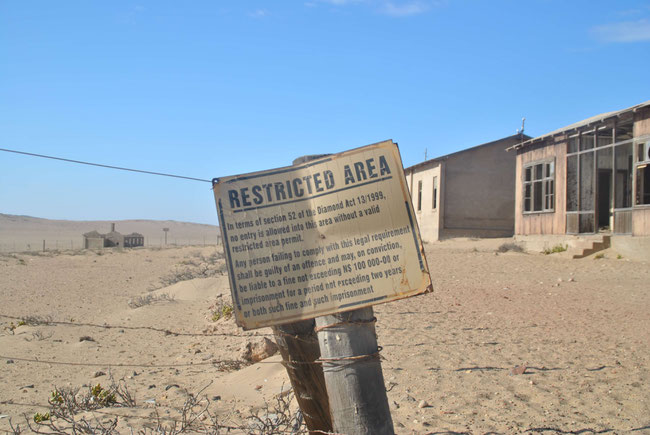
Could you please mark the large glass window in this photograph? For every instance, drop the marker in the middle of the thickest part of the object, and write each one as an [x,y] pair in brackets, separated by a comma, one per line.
[623,162]
[539,187]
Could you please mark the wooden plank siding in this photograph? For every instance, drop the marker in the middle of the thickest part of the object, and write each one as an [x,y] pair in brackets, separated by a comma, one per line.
[641,222]
[547,222]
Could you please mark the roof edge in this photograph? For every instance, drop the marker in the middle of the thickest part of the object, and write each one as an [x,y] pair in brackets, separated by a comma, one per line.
[597,119]
[446,156]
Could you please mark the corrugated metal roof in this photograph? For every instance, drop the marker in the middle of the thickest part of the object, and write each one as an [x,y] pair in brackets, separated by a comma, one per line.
[584,123]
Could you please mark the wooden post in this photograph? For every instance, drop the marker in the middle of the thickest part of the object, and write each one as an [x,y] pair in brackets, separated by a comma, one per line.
[355,384]
[353,376]
[299,348]
[43,245]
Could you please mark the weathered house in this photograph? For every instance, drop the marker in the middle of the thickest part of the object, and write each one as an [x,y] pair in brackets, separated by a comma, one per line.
[113,239]
[589,177]
[468,193]
[134,239]
[93,240]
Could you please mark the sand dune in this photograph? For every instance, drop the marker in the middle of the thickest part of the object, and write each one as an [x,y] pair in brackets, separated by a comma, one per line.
[580,327]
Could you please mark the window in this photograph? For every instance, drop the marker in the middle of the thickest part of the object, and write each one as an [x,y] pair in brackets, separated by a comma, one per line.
[435,193]
[419,195]
[623,163]
[643,174]
[539,187]
[587,140]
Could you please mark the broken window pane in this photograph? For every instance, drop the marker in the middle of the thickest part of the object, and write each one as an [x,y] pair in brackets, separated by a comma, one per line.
[537,196]
[527,196]
[587,141]
[572,146]
[587,182]
[623,131]
[605,136]
[549,195]
[643,184]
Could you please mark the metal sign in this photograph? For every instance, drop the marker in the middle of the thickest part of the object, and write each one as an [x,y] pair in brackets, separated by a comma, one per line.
[330,235]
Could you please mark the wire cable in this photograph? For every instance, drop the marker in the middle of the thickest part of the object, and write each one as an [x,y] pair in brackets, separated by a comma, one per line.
[105,166]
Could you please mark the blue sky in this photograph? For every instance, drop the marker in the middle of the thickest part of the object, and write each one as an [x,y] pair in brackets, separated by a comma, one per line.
[215,88]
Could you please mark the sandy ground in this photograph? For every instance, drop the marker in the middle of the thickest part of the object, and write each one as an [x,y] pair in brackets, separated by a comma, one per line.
[581,327]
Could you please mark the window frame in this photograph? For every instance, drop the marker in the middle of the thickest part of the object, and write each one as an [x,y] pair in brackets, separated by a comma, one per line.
[641,164]
[541,184]
[434,204]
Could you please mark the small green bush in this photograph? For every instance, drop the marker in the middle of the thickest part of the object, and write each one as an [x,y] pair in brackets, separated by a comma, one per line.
[39,418]
[102,396]
[223,310]
[555,249]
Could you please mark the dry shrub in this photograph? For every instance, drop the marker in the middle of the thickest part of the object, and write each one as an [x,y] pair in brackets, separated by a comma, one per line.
[67,403]
[195,416]
[149,299]
[278,417]
[505,247]
[194,267]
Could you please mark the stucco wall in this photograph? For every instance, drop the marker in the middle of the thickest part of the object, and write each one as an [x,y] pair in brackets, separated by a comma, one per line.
[93,243]
[479,190]
[428,218]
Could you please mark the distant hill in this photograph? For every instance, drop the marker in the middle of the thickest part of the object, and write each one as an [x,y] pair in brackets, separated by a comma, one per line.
[20,233]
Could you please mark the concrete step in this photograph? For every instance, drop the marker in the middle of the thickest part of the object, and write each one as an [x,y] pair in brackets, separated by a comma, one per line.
[584,248]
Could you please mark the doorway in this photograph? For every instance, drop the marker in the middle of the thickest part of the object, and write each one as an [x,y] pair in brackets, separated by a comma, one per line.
[604,199]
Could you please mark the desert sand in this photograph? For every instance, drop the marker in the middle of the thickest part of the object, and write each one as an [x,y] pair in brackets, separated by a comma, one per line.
[581,329]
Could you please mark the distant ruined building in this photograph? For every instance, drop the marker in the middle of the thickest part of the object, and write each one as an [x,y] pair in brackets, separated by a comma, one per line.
[95,240]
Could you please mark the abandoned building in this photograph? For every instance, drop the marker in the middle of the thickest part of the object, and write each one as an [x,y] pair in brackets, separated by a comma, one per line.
[134,239]
[591,177]
[95,240]
[470,193]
